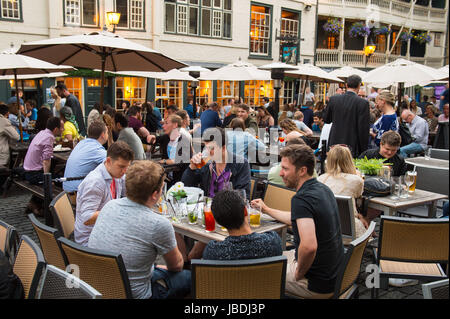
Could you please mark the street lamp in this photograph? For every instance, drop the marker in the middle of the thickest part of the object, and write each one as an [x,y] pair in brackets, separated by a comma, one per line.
[113,19]
[277,74]
[369,50]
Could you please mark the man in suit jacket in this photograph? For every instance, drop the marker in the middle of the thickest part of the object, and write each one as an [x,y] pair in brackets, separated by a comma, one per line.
[350,116]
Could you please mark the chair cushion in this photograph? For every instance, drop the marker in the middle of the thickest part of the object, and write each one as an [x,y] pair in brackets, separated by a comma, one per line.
[426,269]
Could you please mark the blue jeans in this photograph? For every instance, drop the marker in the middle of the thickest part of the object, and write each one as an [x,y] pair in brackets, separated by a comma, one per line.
[409,149]
[167,284]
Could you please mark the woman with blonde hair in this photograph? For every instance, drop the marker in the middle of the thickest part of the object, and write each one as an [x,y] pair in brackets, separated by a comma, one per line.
[343,179]
[388,121]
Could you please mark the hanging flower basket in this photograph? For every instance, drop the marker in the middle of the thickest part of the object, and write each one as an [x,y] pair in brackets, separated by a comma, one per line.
[333,26]
[382,31]
[405,36]
[359,29]
[422,38]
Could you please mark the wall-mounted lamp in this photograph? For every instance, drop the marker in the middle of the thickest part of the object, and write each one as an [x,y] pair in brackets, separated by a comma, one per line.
[113,19]
[307,7]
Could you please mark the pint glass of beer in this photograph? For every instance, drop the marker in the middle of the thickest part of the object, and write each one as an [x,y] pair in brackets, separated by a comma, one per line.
[413,176]
[255,217]
[204,159]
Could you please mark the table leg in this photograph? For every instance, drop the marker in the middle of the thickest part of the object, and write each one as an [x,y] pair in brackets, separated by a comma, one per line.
[432,209]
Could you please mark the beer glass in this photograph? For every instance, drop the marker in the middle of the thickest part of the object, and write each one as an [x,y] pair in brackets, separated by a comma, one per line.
[204,159]
[255,217]
[412,175]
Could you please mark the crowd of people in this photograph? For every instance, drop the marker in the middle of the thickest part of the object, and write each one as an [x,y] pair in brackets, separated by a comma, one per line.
[119,186]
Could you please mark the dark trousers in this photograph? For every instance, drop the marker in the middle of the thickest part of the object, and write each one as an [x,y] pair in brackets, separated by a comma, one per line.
[35,177]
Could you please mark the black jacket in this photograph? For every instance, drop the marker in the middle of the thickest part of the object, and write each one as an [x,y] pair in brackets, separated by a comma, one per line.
[350,116]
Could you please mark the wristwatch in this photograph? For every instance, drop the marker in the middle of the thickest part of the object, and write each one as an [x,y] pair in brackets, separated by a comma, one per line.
[165,162]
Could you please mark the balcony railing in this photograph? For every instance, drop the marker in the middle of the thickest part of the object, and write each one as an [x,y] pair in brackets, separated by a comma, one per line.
[356,59]
[394,7]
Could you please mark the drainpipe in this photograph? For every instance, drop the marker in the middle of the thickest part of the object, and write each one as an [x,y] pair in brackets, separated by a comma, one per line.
[316,34]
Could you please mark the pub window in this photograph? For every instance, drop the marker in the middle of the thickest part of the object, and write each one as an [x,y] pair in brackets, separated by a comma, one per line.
[131,89]
[11,9]
[81,12]
[131,14]
[260,30]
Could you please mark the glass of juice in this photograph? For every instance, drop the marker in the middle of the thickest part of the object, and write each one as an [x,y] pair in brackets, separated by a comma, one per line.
[204,160]
[210,223]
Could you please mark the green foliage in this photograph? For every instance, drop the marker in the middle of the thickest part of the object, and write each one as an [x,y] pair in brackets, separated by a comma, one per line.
[87,73]
[179,194]
[370,166]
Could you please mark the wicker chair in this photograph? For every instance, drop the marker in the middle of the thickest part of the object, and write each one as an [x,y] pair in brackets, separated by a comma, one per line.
[436,290]
[54,286]
[63,216]
[262,278]
[346,205]
[50,246]
[350,268]
[8,240]
[278,197]
[104,271]
[29,265]
[411,248]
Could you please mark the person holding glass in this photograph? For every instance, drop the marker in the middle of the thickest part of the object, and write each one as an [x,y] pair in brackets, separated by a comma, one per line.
[222,168]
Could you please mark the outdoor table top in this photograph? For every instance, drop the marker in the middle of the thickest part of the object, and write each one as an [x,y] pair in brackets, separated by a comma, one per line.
[199,233]
[62,156]
[430,163]
[19,146]
[418,198]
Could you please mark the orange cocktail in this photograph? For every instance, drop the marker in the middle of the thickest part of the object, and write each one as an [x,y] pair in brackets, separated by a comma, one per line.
[210,223]
[281,139]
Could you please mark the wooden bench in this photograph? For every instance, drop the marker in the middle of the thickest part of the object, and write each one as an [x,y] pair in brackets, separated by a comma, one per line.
[37,190]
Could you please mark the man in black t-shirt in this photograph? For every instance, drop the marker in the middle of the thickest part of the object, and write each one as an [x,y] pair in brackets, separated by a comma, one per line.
[242,243]
[389,146]
[313,266]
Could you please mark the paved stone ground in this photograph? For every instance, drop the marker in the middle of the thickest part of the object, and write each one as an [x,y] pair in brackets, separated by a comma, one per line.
[12,211]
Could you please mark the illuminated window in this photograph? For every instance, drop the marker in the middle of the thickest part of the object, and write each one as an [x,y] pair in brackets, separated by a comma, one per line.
[204,92]
[75,87]
[81,12]
[209,18]
[398,46]
[290,26]
[11,9]
[260,31]
[131,14]
[255,91]
[27,84]
[226,90]
[288,92]
[131,89]
[169,92]
[381,43]
[93,82]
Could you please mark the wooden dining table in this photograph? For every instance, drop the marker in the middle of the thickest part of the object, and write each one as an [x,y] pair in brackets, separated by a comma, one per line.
[420,197]
[199,233]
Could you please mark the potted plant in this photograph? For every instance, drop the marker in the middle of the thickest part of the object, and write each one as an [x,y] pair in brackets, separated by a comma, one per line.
[333,26]
[405,36]
[382,31]
[359,29]
[370,167]
[422,38]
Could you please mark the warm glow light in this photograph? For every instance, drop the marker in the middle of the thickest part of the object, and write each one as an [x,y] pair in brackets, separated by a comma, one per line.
[369,50]
[113,17]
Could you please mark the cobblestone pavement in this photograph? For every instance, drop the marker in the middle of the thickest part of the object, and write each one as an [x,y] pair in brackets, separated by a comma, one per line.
[12,211]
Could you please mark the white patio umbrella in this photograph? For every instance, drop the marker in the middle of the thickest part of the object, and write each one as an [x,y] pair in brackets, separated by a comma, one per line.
[405,73]
[12,64]
[237,71]
[33,76]
[444,70]
[344,72]
[309,72]
[103,50]
[172,75]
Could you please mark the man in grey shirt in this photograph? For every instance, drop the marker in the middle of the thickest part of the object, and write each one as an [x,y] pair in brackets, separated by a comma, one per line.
[298,120]
[128,135]
[103,184]
[419,131]
[128,226]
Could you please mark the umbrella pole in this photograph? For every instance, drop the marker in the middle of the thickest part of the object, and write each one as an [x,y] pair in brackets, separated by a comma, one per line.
[102,89]
[399,97]
[18,106]
[304,90]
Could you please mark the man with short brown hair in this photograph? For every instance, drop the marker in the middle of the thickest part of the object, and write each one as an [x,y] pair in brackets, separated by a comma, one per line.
[130,227]
[313,265]
[105,183]
[250,123]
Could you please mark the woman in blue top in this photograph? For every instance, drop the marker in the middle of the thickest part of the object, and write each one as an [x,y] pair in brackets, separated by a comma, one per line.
[388,121]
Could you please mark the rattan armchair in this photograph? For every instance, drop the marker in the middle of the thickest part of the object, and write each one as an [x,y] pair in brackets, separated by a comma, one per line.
[350,268]
[278,197]
[28,266]
[411,248]
[104,271]
[8,240]
[436,290]
[63,215]
[58,284]
[262,278]
[51,247]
